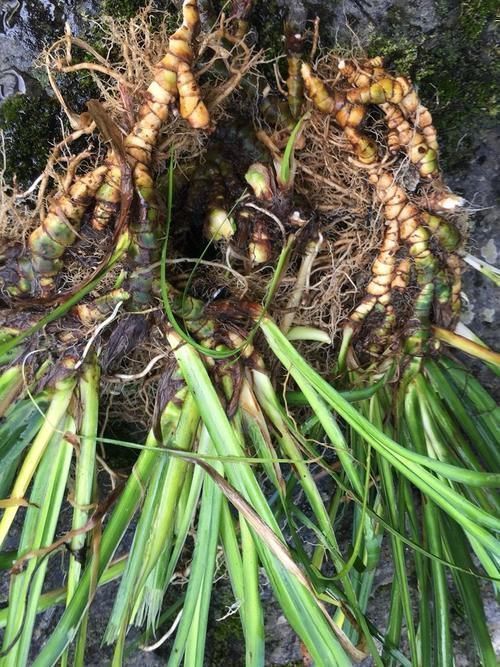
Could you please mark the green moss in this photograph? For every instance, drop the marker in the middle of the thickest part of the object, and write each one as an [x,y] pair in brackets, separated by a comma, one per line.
[268,18]
[225,641]
[31,126]
[122,8]
[78,88]
[454,70]
[475,16]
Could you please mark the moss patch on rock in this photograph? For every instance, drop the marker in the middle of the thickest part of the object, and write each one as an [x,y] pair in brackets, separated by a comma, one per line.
[31,126]
[268,18]
[122,8]
[454,66]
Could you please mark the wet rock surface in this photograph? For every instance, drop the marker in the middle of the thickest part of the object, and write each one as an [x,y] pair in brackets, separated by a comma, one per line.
[479,182]
[27,25]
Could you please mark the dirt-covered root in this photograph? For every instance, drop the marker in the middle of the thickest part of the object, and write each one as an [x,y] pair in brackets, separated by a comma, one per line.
[362,84]
[415,278]
[340,193]
[381,155]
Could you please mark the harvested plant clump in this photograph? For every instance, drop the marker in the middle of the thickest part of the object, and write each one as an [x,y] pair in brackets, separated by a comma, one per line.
[264,276]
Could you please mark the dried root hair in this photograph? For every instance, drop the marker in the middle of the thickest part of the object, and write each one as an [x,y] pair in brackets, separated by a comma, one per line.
[133,48]
[130,387]
[16,211]
[22,211]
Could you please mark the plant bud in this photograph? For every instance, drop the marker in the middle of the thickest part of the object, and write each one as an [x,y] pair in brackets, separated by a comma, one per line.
[259,248]
[259,179]
[219,225]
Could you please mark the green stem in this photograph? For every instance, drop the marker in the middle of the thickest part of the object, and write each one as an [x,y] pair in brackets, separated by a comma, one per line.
[84,486]
[57,596]
[254,618]
[38,532]
[57,409]
[121,517]
[301,608]
[451,502]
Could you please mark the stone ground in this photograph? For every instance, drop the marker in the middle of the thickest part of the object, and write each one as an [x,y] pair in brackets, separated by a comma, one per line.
[417,36]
